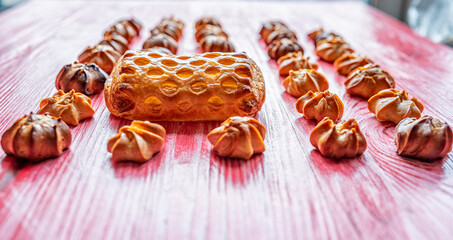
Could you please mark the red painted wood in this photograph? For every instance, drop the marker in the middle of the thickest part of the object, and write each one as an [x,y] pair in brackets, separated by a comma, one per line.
[185,191]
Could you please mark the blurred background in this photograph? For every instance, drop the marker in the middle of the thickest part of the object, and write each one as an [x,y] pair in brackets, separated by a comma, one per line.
[429,18]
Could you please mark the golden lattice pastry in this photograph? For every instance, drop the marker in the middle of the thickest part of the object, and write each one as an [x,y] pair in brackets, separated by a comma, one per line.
[350,61]
[393,106]
[238,137]
[368,80]
[425,138]
[280,33]
[300,82]
[319,35]
[294,61]
[330,49]
[205,87]
[161,40]
[36,137]
[271,26]
[216,44]
[209,30]
[280,48]
[84,78]
[117,42]
[137,142]
[71,107]
[102,55]
[342,140]
[319,105]
[205,21]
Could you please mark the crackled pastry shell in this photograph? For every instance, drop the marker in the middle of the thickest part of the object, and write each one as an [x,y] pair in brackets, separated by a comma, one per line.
[348,62]
[280,48]
[238,137]
[319,105]
[84,78]
[36,137]
[294,61]
[330,49]
[425,138]
[137,142]
[368,80]
[102,55]
[393,106]
[161,40]
[300,82]
[342,140]
[216,44]
[203,87]
[71,107]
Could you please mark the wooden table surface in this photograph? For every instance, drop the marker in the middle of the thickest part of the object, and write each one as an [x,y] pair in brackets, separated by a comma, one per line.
[185,191]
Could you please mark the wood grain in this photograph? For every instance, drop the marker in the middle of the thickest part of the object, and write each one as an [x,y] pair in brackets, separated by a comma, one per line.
[185,191]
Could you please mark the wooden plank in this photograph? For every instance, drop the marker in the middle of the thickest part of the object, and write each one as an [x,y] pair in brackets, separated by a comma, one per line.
[185,191]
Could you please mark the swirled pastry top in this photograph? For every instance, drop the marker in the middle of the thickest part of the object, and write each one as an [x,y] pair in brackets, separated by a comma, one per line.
[330,49]
[36,137]
[319,105]
[393,106]
[71,107]
[348,62]
[137,142]
[300,82]
[205,87]
[425,138]
[84,78]
[342,140]
[294,61]
[238,137]
[368,80]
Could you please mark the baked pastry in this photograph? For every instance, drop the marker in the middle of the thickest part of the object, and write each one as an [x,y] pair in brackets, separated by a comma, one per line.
[425,138]
[173,21]
[300,82]
[280,48]
[160,50]
[216,44]
[137,142]
[280,33]
[102,55]
[350,61]
[161,40]
[128,28]
[70,107]
[203,22]
[238,137]
[342,140]
[209,30]
[330,49]
[368,80]
[318,105]
[85,78]
[294,61]
[319,35]
[393,106]
[203,87]
[117,42]
[271,26]
[36,137]
[169,29]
